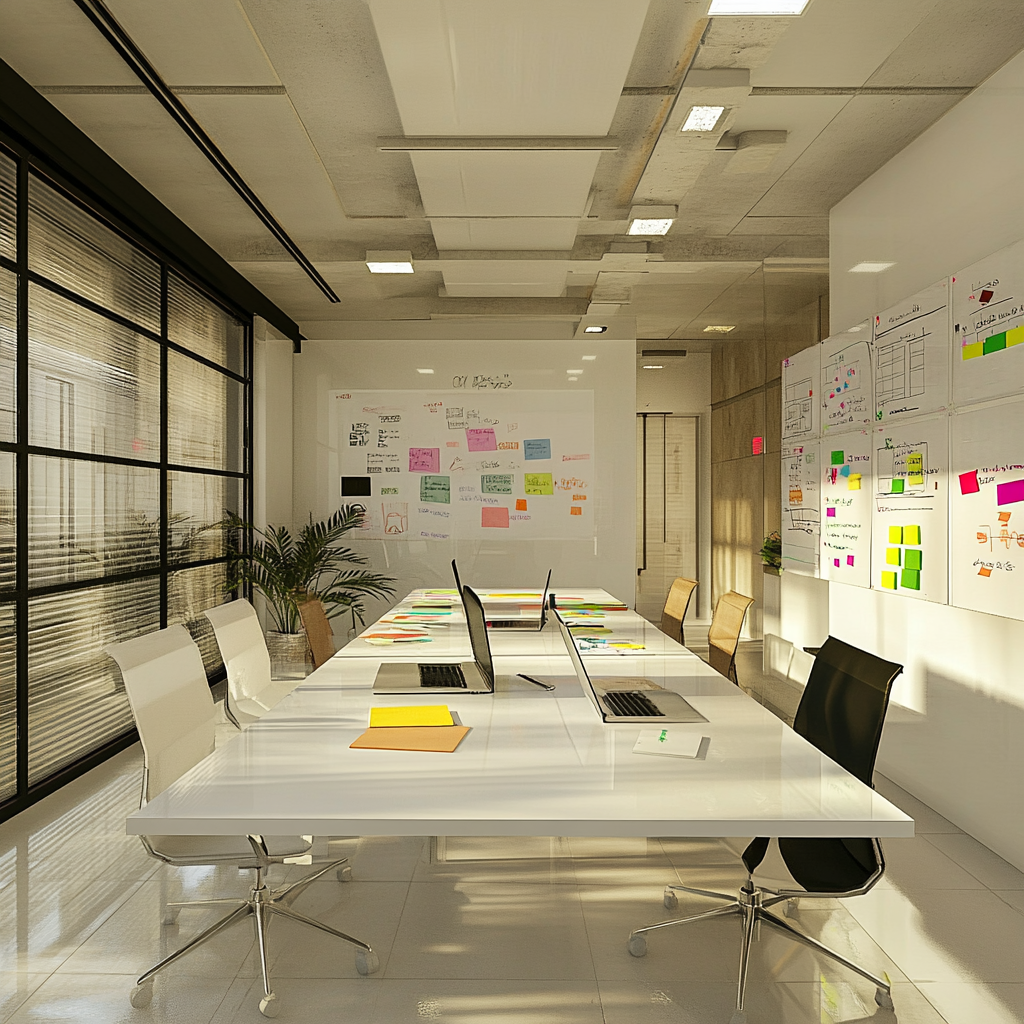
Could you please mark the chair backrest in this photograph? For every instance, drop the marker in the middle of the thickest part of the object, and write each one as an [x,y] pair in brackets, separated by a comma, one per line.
[319,634]
[844,703]
[727,622]
[242,648]
[170,700]
[676,603]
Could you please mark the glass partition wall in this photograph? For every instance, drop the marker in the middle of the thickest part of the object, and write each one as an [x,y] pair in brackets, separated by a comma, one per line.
[125,411]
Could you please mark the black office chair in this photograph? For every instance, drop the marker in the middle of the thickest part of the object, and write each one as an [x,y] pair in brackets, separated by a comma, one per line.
[841,712]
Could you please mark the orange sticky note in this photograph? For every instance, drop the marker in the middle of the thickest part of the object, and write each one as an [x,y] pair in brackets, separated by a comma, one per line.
[520,504]
[1004,517]
[984,571]
[575,510]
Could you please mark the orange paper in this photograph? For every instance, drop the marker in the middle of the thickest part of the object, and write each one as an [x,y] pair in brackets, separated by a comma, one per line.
[440,738]
[520,504]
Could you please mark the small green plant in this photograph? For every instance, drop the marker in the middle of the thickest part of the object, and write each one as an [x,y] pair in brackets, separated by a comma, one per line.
[771,550]
[288,570]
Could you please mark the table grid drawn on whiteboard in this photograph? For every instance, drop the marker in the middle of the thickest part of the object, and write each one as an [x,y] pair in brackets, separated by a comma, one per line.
[441,465]
[801,412]
[801,506]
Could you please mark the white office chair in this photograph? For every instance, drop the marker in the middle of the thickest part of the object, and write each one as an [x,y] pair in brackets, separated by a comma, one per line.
[251,691]
[174,712]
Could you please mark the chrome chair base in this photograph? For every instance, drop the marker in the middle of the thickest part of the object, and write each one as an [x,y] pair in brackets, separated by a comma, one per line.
[752,905]
[261,904]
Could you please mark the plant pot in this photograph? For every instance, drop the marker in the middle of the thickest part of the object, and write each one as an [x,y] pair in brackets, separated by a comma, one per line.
[289,655]
[771,570]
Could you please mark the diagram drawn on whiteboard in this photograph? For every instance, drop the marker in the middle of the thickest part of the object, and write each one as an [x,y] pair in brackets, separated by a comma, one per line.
[846,385]
[801,507]
[800,406]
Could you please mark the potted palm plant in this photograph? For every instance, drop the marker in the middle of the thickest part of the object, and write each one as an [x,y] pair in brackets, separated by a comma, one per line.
[288,570]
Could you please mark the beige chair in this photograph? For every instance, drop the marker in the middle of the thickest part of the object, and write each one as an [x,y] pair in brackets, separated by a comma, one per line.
[724,634]
[676,603]
[174,712]
[319,634]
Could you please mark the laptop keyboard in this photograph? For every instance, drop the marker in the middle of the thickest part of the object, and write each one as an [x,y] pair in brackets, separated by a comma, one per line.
[513,624]
[632,704]
[442,675]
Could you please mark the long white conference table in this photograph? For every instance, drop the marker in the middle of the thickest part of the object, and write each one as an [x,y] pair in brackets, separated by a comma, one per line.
[533,764]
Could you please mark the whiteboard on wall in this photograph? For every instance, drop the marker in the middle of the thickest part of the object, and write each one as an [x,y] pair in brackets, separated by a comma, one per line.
[444,465]
[847,393]
[801,507]
[801,415]
[912,355]
[988,327]
[910,519]
[986,547]
[846,490]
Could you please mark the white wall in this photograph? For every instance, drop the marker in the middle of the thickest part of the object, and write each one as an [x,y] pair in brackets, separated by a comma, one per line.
[538,362]
[953,196]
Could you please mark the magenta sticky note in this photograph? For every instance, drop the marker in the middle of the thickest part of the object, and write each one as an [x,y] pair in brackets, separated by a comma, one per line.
[849,559]
[969,482]
[424,460]
[497,516]
[1008,493]
[831,513]
[481,439]
[836,560]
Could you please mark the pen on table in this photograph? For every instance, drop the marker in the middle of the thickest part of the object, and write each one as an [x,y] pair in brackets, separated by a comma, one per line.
[536,682]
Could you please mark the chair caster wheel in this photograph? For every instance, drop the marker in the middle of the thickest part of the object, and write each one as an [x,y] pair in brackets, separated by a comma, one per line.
[884,998]
[637,945]
[142,995]
[670,899]
[367,961]
[269,1005]
[345,873]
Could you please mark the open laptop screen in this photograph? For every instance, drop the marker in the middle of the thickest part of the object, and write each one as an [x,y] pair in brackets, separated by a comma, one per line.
[477,624]
[455,573]
[577,662]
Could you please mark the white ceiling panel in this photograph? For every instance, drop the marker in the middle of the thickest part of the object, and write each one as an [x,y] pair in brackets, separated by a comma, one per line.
[490,67]
[506,184]
[505,277]
[518,233]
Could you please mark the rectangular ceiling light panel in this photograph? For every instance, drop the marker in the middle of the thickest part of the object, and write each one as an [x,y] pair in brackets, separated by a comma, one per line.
[511,233]
[757,8]
[488,67]
[702,119]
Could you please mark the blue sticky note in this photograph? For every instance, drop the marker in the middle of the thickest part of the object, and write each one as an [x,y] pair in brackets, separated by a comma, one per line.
[537,448]
[845,471]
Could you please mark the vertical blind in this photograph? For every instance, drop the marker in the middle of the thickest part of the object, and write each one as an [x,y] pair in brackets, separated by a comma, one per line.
[124,424]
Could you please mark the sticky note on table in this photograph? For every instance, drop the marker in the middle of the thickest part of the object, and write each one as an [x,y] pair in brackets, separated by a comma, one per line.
[538,483]
[911,534]
[912,558]
[537,448]
[494,516]
[889,580]
[910,579]
[895,534]
[897,486]
[838,458]
[520,504]
[424,460]
[435,489]
[417,714]
[892,556]
[969,482]
[481,439]
[1008,493]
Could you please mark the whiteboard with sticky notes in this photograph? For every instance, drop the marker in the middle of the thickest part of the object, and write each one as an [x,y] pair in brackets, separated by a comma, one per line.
[847,388]
[846,491]
[910,513]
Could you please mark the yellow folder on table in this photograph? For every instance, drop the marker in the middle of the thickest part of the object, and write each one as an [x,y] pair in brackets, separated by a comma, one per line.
[417,715]
[433,739]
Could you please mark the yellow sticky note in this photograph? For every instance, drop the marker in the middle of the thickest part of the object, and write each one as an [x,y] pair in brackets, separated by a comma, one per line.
[853,484]
[889,580]
[895,534]
[915,479]
[911,534]
[915,462]
[892,556]
[427,714]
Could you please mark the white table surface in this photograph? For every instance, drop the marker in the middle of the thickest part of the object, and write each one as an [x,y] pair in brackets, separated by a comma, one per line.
[533,764]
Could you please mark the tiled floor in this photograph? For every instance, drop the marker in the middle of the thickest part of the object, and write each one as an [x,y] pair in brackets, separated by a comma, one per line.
[528,931]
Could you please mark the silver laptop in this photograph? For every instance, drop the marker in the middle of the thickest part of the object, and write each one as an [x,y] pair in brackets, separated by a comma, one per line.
[618,700]
[528,622]
[475,676]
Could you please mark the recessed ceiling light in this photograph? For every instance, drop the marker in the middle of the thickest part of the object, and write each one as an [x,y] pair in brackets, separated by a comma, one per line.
[653,366]
[869,267]
[702,119]
[573,371]
[389,268]
[757,8]
[651,220]
[588,359]
[424,370]
[389,262]
[573,378]
[594,329]
[719,328]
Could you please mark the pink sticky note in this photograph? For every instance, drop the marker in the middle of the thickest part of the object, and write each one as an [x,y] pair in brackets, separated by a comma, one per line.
[494,515]
[969,482]
[481,439]
[424,460]
[836,560]
[849,559]
[831,513]
[1007,494]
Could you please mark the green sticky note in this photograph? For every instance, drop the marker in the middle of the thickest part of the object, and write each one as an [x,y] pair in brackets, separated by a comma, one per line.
[889,580]
[897,486]
[912,558]
[538,483]
[838,458]
[435,489]
[892,556]
[496,483]
[895,534]
[911,534]
[911,579]
[996,343]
